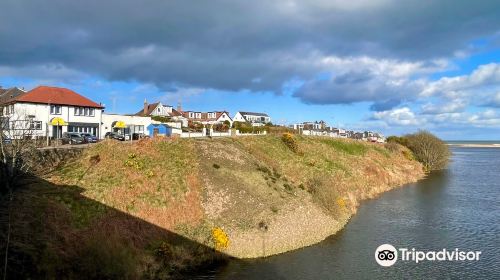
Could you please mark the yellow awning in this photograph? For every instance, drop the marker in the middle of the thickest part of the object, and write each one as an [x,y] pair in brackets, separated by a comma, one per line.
[57,121]
[120,124]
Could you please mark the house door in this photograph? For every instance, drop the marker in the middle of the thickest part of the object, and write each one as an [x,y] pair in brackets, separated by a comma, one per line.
[156,131]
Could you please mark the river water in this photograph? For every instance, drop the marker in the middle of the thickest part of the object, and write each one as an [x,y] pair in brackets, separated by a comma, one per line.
[455,208]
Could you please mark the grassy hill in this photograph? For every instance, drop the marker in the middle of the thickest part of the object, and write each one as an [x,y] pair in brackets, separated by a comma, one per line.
[160,206]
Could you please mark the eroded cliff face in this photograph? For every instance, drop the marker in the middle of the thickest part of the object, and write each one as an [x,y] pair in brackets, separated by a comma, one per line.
[265,197]
[270,199]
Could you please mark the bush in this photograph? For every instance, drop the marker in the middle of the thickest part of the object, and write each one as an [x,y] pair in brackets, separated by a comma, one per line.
[221,127]
[400,140]
[290,142]
[428,149]
[161,119]
[248,128]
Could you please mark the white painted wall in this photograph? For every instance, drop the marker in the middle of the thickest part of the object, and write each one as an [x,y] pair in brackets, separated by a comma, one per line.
[132,121]
[239,118]
[41,112]
[225,117]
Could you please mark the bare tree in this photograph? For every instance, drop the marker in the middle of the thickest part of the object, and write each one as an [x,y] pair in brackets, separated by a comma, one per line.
[16,151]
[431,151]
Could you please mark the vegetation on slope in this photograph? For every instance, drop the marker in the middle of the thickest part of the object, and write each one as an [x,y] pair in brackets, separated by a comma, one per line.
[158,208]
[428,149]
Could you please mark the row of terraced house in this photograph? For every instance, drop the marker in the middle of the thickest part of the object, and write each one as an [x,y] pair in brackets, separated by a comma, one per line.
[51,111]
[320,128]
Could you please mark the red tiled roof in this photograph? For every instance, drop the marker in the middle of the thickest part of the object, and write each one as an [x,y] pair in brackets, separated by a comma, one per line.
[56,95]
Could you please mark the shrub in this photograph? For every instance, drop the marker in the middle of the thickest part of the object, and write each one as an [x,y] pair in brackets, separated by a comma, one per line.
[216,166]
[431,151]
[221,240]
[396,139]
[248,128]
[221,127]
[290,142]
[161,119]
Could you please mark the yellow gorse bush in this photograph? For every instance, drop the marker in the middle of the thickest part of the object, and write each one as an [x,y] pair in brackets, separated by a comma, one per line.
[221,239]
[341,202]
[134,161]
[290,142]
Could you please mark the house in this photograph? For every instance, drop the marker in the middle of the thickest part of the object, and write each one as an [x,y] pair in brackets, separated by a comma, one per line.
[125,124]
[256,119]
[50,111]
[208,117]
[316,125]
[161,110]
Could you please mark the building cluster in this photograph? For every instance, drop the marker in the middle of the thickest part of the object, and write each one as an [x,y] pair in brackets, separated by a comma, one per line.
[52,111]
[49,112]
[320,128]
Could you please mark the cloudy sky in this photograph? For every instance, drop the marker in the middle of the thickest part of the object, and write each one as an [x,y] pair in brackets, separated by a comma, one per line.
[392,66]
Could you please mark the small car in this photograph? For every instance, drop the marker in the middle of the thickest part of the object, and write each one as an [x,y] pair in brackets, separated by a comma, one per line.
[6,140]
[72,138]
[137,136]
[114,135]
[89,138]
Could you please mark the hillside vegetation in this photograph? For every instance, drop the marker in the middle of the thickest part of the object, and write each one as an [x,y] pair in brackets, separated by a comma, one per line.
[160,206]
[428,149]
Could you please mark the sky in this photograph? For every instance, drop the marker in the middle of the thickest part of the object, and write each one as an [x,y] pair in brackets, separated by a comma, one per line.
[393,66]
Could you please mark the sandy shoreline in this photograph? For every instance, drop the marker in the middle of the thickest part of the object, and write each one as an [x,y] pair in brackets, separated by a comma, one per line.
[475,145]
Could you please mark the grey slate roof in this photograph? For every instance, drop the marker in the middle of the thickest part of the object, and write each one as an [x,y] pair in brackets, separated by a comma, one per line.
[255,114]
[10,93]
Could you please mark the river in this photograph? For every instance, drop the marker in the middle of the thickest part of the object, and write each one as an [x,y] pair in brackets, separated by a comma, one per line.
[455,208]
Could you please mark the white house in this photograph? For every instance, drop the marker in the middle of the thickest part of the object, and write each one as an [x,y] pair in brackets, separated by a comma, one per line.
[161,110]
[51,111]
[256,119]
[124,124]
[208,117]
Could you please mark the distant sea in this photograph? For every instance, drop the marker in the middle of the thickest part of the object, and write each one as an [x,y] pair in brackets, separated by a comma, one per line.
[477,142]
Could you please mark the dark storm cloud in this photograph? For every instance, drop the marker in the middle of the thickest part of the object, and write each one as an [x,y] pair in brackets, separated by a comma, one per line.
[229,44]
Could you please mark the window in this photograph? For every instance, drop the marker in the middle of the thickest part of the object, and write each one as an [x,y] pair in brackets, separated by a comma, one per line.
[36,125]
[55,109]
[83,111]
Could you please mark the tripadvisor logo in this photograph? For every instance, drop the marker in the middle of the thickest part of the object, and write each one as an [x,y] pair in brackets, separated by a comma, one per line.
[387,255]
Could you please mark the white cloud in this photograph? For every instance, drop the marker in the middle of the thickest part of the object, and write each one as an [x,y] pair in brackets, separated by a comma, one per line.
[400,116]
[453,106]
[386,82]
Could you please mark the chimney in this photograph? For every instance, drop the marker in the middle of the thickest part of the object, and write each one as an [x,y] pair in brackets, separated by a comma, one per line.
[179,107]
[145,112]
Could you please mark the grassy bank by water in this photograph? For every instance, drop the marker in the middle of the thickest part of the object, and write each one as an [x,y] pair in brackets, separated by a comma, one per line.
[161,206]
